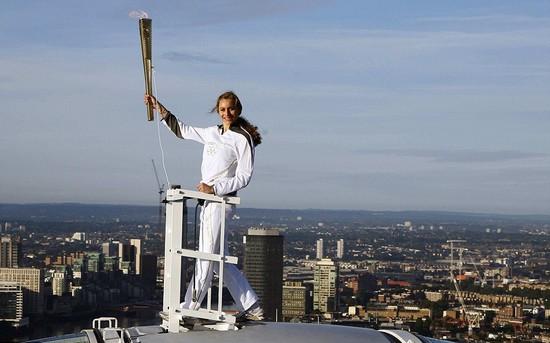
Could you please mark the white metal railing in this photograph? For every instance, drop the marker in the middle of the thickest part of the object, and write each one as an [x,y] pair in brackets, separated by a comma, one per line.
[176,220]
[108,327]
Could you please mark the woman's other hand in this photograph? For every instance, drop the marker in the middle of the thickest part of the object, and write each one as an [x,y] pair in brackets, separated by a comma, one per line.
[203,187]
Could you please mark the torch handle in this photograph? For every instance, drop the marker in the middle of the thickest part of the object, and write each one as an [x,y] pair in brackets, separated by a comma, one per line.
[149,88]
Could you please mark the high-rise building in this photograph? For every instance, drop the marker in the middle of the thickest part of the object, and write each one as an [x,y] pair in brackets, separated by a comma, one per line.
[109,249]
[111,264]
[295,300]
[32,283]
[340,248]
[136,244]
[263,266]
[10,252]
[95,261]
[11,304]
[80,266]
[60,282]
[320,252]
[127,258]
[325,282]
[149,272]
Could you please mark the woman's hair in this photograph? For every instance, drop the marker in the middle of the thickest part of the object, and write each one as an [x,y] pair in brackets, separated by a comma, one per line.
[240,121]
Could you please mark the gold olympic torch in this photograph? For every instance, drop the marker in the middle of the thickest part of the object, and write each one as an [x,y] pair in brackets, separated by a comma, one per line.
[145,33]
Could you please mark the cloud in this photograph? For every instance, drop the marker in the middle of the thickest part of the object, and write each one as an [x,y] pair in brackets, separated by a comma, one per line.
[176,56]
[458,156]
[215,12]
[485,19]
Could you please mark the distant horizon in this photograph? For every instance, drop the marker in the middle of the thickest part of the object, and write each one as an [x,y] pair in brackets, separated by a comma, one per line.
[291,209]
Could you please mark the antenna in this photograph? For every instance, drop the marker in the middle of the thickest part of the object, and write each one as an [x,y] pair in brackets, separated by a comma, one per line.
[161,191]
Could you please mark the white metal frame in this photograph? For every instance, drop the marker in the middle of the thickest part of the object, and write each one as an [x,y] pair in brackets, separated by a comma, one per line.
[176,218]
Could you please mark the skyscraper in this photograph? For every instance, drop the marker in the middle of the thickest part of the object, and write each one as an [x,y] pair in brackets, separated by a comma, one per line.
[126,258]
[263,266]
[325,283]
[59,282]
[95,261]
[32,282]
[320,253]
[149,273]
[11,300]
[109,249]
[340,248]
[295,300]
[136,244]
[111,264]
[10,252]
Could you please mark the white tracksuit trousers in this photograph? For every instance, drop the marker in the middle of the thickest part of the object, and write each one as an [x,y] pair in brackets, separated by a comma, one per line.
[209,241]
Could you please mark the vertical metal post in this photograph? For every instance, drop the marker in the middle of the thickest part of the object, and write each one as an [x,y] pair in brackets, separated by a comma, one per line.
[167,259]
[222,253]
[172,267]
[183,245]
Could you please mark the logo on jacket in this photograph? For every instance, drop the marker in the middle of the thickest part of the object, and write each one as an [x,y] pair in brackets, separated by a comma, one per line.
[211,149]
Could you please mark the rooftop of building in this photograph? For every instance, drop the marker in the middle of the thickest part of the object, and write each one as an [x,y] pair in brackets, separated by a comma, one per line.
[254,332]
[263,232]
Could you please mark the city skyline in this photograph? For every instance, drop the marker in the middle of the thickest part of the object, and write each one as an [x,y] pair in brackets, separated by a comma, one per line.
[392,275]
[395,106]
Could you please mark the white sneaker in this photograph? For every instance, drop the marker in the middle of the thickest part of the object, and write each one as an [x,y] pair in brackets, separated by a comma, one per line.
[255,314]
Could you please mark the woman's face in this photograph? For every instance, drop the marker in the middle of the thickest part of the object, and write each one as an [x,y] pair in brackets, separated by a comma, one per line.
[228,112]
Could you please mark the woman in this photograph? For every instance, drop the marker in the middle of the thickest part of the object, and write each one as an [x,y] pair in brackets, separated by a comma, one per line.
[227,165]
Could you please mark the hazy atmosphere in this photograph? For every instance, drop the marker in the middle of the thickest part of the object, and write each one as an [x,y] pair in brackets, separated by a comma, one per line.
[405,105]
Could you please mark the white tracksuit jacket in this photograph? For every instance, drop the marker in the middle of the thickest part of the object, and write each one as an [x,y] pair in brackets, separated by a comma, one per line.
[227,165]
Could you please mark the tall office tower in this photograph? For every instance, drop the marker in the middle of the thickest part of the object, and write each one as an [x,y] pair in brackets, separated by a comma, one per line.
[136,243]
[320,253]
[80,266]
[149,272]
[325,282]
[294,300]
[95,262]
[263,266]
[109,249]
[111,264]
[127,258]
[32,282]
[340,248]
[10,252]
[60,282]
[11,301]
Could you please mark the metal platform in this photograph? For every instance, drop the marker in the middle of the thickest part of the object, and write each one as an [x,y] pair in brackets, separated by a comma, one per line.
[174,252]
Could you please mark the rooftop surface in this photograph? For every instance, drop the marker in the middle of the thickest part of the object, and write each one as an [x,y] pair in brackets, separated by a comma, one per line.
[274,332]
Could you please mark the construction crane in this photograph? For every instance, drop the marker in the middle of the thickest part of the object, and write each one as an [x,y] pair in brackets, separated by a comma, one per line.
[161,192]
[472,318]
[482,277]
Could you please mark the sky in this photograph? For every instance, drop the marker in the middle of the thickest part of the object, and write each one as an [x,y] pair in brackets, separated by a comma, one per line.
[369,105]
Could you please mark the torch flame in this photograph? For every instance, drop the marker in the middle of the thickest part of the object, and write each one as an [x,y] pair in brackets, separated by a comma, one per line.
[138,14]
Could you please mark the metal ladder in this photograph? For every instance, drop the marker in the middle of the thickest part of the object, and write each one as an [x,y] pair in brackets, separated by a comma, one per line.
[176,221]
